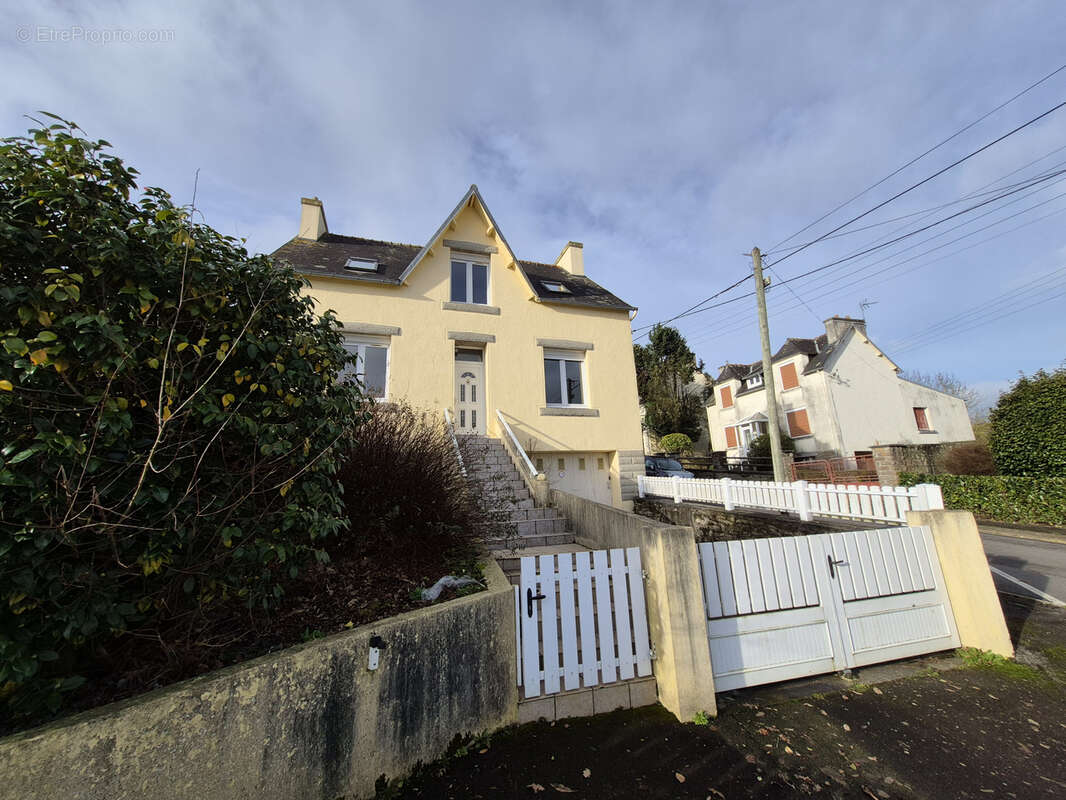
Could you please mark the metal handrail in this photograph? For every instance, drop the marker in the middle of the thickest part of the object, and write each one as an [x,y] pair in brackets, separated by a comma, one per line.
[514,441]
[455,442]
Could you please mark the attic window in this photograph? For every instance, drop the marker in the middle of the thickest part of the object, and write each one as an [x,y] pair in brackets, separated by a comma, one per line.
[555,287]
[361,265]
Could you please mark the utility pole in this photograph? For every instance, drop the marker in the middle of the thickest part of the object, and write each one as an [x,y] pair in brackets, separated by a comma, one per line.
[772,429]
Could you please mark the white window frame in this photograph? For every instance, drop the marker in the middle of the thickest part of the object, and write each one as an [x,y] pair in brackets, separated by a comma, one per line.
[567,355]
[357,344]
[361,265]
[470,261]
[755,380]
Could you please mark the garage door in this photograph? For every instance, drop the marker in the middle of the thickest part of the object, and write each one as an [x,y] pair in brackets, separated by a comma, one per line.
[791,607]
[586,475]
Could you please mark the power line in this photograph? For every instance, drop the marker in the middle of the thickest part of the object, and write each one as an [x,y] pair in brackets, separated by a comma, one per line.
[919,157]
[922,182]
[696,308]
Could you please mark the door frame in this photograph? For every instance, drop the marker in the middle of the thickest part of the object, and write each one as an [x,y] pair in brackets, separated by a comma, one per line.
[480,403]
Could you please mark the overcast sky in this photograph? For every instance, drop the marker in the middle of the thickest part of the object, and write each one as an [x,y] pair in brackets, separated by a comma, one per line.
[670,139]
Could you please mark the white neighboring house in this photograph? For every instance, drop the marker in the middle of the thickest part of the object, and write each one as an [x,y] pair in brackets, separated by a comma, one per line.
[837,394]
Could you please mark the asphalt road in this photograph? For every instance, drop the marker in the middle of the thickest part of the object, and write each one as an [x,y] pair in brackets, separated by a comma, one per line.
[1040,566]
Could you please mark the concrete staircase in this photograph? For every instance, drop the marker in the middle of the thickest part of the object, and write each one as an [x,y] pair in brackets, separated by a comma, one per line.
[516,527]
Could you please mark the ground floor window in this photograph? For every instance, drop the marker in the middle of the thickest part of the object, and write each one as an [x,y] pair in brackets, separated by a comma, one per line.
[564,378]
[371,368]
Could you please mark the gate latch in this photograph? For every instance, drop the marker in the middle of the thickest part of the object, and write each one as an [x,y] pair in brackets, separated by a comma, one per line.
[833,564]
[530,597]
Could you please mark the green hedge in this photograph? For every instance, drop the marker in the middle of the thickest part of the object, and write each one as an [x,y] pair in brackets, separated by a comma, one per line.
[1005,498]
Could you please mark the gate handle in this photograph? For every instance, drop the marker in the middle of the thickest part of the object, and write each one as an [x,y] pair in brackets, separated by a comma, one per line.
[530,597]
[833,564]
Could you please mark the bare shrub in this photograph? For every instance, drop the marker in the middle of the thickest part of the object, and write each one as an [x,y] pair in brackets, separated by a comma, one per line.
[403,487]
[970,458]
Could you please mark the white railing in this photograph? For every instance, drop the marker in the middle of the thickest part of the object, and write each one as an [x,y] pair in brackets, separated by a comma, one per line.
[882,503]
[516,448]
[450,425]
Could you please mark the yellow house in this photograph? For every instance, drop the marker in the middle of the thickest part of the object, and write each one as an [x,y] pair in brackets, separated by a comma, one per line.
[462,324]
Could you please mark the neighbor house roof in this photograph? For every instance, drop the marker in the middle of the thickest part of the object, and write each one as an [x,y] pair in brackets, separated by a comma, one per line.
[817,350]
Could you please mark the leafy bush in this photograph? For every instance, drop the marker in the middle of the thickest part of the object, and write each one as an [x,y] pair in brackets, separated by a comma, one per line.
[1004,498]
[970,458]
[676,443]
[759,447]
[170,414]
[1028,426]
[401,475]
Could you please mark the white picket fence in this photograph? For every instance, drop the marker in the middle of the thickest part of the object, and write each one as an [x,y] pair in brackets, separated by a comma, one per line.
[880,503]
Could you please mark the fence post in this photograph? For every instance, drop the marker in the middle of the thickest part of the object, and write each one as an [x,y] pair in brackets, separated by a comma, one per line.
[676,480]
[803,502]
[930,498]
[727,493]
[640,486]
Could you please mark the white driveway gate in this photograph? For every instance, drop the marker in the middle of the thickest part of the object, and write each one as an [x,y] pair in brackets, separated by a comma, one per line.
[796,606]
[581,620]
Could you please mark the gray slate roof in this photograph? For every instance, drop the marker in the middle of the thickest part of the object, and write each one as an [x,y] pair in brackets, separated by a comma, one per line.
[816,349]
[328,255]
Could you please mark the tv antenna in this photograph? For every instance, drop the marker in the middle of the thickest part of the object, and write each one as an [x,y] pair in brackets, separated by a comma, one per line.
[865,304]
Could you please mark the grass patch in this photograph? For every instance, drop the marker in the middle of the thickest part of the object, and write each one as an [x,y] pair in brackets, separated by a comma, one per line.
[1008,668]
[859,687]
[701,718]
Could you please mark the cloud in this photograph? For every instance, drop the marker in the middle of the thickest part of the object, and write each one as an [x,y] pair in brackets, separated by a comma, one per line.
[669,138]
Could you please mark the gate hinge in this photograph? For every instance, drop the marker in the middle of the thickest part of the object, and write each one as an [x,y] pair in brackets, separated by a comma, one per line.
[652,654]
[644,574]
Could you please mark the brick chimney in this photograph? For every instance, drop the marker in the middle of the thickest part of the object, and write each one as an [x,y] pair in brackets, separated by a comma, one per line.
[572,259]
[312,219]
[836,327]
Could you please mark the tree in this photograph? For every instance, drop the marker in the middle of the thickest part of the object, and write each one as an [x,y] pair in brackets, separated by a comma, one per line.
[170,413]
[1028,426]
[949,384]
[664,374]
[759,447]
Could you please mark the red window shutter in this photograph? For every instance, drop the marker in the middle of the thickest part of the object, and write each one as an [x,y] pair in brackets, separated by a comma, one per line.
[730,436]
[789,380]
[798,424]
[727,397]
[921,419]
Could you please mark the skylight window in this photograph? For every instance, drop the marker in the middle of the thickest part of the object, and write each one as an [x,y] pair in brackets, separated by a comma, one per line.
[361,265]
[555,287]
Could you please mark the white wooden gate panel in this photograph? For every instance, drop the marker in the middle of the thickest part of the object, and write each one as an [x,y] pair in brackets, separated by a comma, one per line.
[582,620]
[796,606]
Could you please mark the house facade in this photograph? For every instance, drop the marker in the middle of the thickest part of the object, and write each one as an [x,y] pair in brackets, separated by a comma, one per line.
[837,395]
[461,323]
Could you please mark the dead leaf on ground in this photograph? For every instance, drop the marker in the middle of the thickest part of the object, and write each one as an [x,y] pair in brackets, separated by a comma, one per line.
[586,773]
[680,777]
[536,787]
[561,788]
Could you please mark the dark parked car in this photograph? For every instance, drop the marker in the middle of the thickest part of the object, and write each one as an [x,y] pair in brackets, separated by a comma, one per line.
[659,467]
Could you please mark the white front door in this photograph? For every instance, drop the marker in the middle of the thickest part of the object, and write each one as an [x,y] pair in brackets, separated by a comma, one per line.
[469,392]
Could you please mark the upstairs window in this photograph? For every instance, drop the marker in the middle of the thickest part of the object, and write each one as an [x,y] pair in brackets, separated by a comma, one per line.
[755,380]
[727,397]
[564,378]
[553,286]
[371,363]
[470,282]
[789,378]
[921,417]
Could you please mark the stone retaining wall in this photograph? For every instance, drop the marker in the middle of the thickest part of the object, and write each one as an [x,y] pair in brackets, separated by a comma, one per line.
[308,722]
[715,524]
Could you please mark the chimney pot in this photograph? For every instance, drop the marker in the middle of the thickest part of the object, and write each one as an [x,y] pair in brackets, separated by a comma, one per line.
[836,327]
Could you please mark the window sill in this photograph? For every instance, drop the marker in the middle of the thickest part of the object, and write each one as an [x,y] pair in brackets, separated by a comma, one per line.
[926,430]
[804,436]
[475,308]
[569,411]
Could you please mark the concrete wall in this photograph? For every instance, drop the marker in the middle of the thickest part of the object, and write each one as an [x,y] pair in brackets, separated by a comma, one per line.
[677,620]
[421,355]
[978,614]
[308,722]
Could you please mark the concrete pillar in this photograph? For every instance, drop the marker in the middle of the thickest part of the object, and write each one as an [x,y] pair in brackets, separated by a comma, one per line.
[968,580]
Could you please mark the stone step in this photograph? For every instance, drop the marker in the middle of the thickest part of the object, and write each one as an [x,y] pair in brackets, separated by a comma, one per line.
[513,546]
[585,702]
[527,527]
